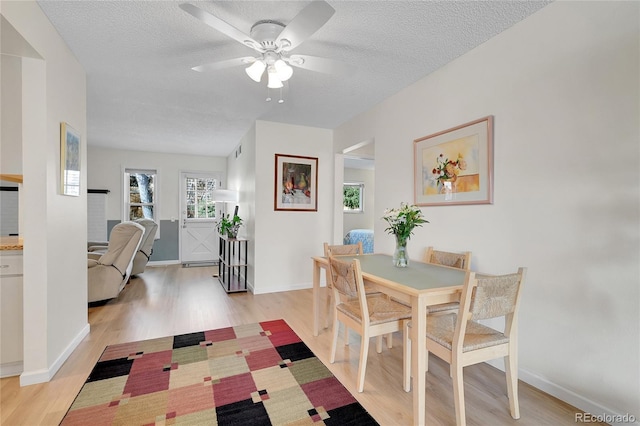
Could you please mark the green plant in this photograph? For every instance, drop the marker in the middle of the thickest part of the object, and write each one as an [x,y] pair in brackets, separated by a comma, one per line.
[351,196]
[228,226]
[402,221]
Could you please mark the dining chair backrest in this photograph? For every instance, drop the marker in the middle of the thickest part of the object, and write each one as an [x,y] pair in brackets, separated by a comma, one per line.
[489,297]
[344,277]
[347,282]
[343,250]
[460,260]
[495,296]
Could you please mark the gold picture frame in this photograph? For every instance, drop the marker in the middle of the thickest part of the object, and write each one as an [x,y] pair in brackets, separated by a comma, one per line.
[69,160]
[455,166]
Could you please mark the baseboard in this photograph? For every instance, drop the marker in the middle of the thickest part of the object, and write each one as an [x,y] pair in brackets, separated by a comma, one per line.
[44,375]
[199,264]
[162,262]
[283,288]
[597,411]
[10,369]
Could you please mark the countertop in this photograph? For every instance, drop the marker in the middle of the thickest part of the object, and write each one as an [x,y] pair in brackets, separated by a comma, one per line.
[11,243]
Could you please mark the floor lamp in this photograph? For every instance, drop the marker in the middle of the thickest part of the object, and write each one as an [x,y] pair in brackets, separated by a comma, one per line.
[226,196]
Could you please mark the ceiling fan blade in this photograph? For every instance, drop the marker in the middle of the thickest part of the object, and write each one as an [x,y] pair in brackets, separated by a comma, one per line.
[315,63]
[215,66]
[220,25]
[305,23]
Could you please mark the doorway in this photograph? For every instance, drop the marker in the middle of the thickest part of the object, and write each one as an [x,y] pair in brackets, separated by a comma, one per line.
[199,216]
[355,165]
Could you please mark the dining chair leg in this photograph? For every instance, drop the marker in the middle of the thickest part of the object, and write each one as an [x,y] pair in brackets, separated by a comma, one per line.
[328,309]
[389,340]
[334,338]
[511,371]
[406,357]
[458,395]
[364,352]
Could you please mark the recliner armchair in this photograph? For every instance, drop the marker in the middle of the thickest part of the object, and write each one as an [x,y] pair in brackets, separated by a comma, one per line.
[109,272]
[146,246]
[144,252]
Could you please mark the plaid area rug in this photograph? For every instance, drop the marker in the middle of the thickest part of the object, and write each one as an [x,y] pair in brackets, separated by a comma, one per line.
[254,374]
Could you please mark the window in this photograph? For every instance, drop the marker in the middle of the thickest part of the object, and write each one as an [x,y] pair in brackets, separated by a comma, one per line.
[140,194]
[353,197]
[200,203]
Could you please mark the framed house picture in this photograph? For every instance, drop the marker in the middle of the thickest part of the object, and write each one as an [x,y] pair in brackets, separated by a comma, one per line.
[296,183]
[69,160]
[455,166]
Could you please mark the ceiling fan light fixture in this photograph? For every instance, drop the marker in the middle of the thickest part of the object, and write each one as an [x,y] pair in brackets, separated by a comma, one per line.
[283,70]
[274,81]
[255,70]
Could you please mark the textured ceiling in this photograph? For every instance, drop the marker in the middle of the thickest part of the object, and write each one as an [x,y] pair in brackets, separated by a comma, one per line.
[143,95]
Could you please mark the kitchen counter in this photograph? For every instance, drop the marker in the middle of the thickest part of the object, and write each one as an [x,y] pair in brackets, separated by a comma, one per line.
[11,243]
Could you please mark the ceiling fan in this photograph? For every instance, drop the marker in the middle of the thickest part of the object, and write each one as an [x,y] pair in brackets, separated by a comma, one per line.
[273,41]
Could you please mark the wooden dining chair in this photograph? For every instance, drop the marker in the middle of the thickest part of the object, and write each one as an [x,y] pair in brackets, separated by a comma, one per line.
[337,250]
[343,250]
[460,260]
[461,340]
[370,315]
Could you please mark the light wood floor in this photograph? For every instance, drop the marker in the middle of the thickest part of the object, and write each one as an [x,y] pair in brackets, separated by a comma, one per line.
[171,300]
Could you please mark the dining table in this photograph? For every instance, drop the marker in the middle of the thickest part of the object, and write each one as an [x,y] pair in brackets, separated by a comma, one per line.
[419,285]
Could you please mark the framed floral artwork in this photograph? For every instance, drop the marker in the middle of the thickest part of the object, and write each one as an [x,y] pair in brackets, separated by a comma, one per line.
[455,166]
[69,160]
[296,183]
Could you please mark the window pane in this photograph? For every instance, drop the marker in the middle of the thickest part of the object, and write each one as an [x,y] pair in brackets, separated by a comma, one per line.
[352,197]
[200,202]
[202,209]
[135,212]
[191,198]
[145,187]
[139,212]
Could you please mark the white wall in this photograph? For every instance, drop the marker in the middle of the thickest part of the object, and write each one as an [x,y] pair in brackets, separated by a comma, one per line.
[241,176]
[563,87]
[285,241]
[364,220]
[53,90]
[11,129]
[106,166]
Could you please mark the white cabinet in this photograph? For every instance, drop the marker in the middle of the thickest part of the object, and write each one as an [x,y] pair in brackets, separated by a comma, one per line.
[11,330]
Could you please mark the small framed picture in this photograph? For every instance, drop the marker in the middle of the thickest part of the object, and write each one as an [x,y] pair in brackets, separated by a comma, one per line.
[455,166]
[296,183]
[69,160]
